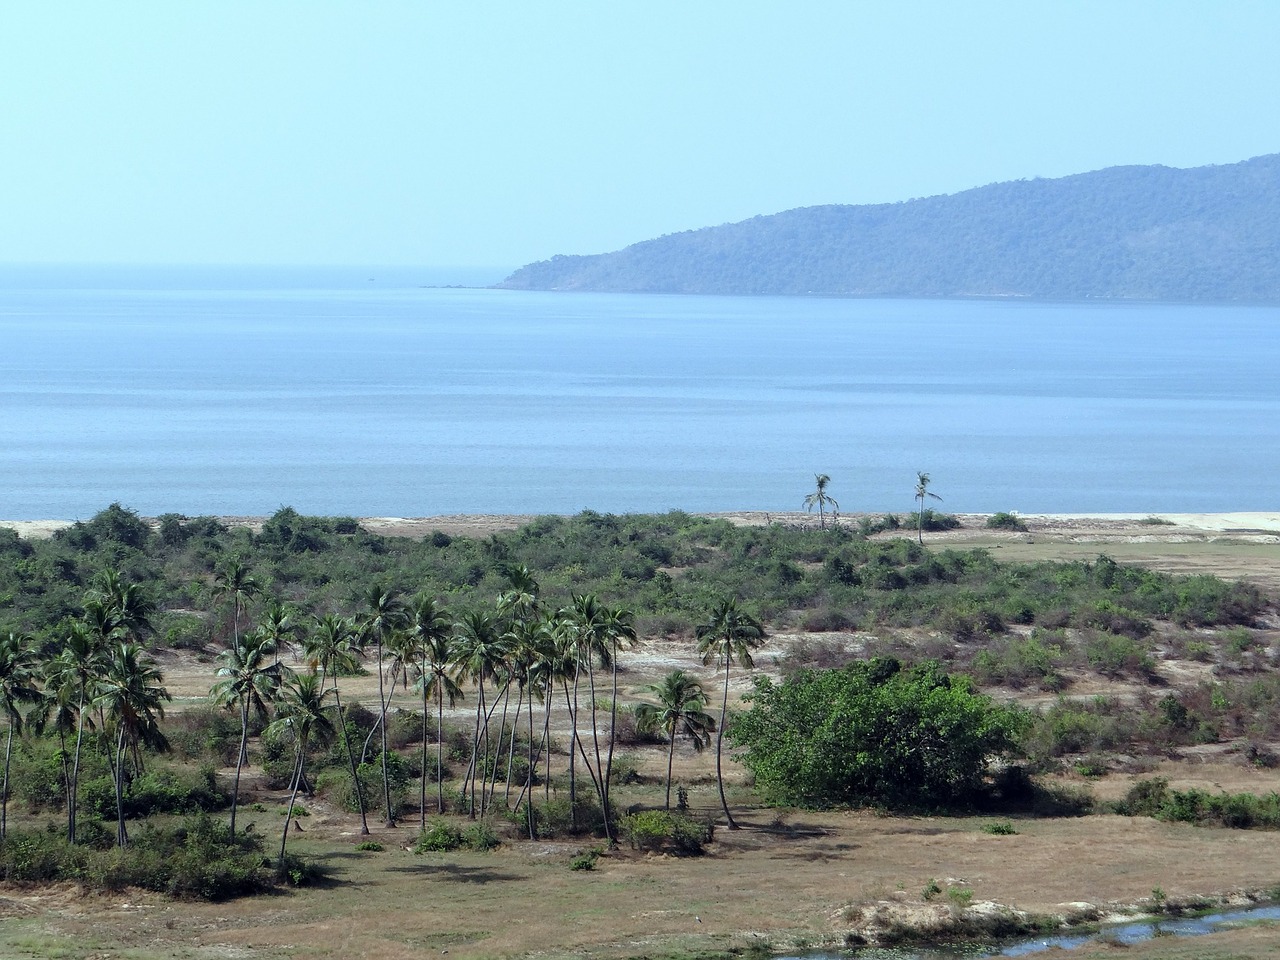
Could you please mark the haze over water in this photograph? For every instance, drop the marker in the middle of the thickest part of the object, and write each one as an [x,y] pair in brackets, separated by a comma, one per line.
[229,394]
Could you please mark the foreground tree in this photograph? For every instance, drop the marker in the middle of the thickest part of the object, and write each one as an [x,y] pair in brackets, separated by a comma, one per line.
[247,680]
[678,711]
[729,634]
[131,698]
[820,499]
[922,491]
[301,716]
[332,648]
[18,674]
[384,615]
[872,734]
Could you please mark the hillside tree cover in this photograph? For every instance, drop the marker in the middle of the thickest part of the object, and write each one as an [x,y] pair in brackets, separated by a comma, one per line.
[1134,232]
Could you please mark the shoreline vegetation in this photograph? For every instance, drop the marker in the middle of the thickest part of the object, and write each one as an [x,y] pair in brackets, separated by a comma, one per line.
[1123,668]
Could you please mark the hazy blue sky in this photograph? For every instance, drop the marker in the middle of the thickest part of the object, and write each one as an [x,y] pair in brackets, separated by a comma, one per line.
[488,133]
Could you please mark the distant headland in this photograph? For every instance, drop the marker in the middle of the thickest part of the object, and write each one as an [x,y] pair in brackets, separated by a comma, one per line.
[1134,232]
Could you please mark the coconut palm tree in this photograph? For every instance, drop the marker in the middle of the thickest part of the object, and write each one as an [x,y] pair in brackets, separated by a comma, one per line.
[72,679]
[384,615]
[678,710]
[279,624]
[18,675]
[132,699]
[729,634]
[434,634]
[619,632]
[128,606]
[922,491]
[482,648]
[236,581]
[300,715]
[332,648]
[820,499]
[247,680]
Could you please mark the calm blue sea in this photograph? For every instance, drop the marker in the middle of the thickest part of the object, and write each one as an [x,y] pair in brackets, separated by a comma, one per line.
[237,393]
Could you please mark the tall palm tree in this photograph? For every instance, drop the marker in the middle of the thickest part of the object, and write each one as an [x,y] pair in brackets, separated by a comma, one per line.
[729,634]
[922,491]
[72,678]
[619,631]
[678,710]
[384,615]
[247,680]
[235,581]
[430,633]
[132,699]
[279,624]
[302,716]
[332,648]
[482,647]
[18,675]
[820,499]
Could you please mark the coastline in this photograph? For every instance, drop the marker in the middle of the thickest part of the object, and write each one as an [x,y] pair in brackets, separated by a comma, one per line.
[1263,523]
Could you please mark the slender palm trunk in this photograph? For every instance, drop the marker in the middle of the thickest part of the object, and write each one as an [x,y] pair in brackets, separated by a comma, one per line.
[240,760]
[4,791]
[724,710]
[386,779]
[122,838]
[422,794]
[613,734]
[351,760]
[73,788]
[511,747]
[293,796]
[440,745]
[671,755]
[546,739]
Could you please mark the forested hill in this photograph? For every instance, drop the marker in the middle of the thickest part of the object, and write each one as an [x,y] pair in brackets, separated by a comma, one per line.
[1143,232]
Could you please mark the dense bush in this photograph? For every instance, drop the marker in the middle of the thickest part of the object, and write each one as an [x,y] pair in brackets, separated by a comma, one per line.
[198,859]
[1006,521]
[1153,798]
[660,832]
[873,734]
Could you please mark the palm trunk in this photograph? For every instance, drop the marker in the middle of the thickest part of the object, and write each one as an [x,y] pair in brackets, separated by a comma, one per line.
[351,759]
[122,838]
[73,788]
[4,791]
[440,746]
[386,780]
[422,797]
[671,754]
[724,710]
[240,759]
[293,796]
[613,734]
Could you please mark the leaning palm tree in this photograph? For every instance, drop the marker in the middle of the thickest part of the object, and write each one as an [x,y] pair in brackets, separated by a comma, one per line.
[247,680]
[619,632]
[729,634]
[18,675]
[301,715]
[333,649]
[481,650]
[922,491]
[678,710]
[820,499]
[384,615]
[132,699]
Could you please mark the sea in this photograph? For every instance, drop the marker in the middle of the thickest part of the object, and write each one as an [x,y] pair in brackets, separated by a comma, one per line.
[235,391]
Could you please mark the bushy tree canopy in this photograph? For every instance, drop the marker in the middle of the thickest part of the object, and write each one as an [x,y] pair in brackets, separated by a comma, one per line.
[871,734]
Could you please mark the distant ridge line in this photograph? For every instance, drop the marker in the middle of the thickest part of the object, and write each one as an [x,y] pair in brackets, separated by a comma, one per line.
[1158,233]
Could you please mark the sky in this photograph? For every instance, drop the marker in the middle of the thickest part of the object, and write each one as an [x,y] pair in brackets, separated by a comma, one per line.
[492,134]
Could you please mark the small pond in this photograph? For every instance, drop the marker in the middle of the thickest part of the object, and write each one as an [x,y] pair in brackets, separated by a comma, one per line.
[1125,933]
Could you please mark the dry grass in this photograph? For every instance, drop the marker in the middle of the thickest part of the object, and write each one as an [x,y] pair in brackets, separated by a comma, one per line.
[788,879]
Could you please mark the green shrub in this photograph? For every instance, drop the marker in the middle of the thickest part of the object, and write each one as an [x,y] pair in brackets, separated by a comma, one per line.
[370,846]
[586,860]
[1002,828]
[438,837]
[1006,521]
[659,831]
